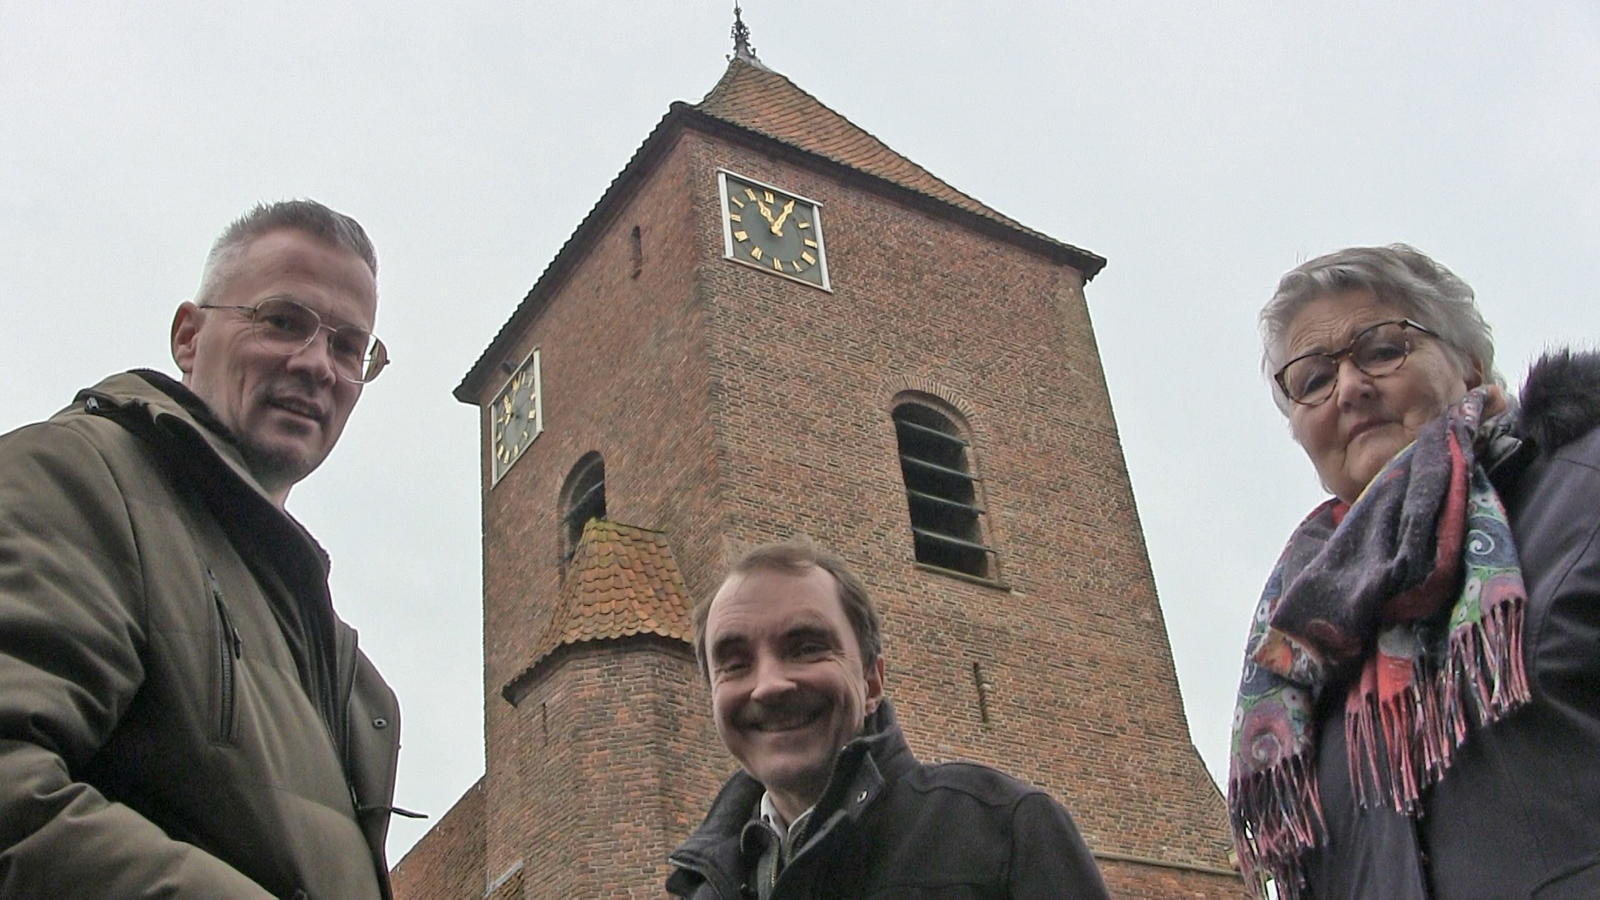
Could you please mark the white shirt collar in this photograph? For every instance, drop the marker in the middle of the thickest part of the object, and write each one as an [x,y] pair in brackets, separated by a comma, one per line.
[774,819]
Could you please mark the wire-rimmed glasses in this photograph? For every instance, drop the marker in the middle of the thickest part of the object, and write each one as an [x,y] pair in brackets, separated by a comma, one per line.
[285,326]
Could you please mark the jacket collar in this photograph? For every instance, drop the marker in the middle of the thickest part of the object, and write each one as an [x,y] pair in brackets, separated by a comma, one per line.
[1560,402]
[201,457]
[179,424]
[861,772]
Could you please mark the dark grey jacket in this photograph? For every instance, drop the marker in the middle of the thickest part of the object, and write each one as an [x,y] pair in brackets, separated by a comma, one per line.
[1518,813]
[181,713]
[887,826]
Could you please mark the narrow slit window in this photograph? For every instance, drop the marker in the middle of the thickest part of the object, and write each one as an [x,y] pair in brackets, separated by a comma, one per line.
[586,499]
[941,492]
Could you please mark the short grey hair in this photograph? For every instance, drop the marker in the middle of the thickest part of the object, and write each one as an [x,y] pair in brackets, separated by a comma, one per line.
[1400,276]
[308,216]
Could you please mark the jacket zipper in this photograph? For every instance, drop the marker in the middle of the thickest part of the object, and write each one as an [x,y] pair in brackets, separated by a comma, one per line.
[228,649]
[344,656]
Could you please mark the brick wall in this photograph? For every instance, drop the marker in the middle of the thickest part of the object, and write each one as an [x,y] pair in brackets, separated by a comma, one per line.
[1134,881]
[1084,697]
[608,762]
[610,742]
[447,864]
[732,407]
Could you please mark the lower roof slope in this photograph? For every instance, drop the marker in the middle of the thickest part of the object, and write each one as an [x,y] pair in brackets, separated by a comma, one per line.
[622,581]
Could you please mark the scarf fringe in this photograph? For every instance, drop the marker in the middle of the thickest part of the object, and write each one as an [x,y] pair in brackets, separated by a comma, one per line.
[1482,679]
[1276,816]
[1420,693]
[1277,813]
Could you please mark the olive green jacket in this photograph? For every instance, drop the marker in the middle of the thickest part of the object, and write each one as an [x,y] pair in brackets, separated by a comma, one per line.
[181,713]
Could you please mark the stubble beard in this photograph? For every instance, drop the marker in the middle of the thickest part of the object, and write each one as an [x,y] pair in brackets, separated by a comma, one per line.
[274,468]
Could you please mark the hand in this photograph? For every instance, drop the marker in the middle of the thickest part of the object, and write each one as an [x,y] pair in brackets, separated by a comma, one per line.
[777,227]
[765,213]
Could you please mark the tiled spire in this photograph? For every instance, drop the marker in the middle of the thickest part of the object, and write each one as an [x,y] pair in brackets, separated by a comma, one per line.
[622,581]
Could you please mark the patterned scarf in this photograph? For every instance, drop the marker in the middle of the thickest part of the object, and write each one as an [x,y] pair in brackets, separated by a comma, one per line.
[1418,584]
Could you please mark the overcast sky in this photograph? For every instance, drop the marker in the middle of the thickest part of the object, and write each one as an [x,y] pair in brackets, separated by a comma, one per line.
[1203,148]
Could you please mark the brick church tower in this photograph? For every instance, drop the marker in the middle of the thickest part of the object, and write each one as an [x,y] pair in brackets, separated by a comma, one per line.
[772,324]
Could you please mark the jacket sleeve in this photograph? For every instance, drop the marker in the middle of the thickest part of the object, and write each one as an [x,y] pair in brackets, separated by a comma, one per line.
[72,634]
[1048,857]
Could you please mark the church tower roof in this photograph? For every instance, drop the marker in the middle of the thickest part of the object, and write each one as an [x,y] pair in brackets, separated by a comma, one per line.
[622,581]
[754,105]
[754,97]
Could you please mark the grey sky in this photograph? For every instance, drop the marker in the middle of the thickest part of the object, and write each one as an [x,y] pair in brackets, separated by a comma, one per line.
[1204,148]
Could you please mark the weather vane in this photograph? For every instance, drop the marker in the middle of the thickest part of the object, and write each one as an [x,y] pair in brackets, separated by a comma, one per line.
[741,38]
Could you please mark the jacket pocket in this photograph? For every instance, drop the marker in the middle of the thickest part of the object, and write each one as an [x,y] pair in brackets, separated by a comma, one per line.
[225,670]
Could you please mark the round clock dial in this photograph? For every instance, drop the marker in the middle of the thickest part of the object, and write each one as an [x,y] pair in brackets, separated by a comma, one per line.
[774,231]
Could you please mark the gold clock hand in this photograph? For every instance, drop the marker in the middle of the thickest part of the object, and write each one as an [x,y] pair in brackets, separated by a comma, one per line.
[765,213]
[777,227]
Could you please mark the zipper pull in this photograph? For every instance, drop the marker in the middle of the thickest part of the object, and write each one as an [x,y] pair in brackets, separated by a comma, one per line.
[227,618]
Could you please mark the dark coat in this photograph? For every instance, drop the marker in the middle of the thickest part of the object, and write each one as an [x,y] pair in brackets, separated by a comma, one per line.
[887,826]
[1518,812]
[181,713]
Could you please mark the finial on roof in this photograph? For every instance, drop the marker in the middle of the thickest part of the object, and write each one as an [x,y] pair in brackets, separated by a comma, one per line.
[741,39]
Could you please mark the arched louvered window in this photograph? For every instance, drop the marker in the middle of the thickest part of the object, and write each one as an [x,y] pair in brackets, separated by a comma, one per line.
[585,500]
[942,492]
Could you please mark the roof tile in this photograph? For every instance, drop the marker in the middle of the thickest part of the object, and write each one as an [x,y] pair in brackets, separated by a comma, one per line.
[761,100]
[622,580]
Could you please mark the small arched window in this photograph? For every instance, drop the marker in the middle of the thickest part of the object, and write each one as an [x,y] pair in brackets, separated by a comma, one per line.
[941,492]
[585,500]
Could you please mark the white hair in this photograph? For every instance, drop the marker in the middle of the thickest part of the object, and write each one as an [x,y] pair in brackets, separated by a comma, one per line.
[1400,276]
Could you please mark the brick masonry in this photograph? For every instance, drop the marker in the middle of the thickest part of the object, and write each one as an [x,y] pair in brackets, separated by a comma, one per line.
[733,407]
[448,864]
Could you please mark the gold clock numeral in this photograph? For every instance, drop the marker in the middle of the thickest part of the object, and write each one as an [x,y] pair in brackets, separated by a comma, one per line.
[741,236]
[768,196]
[805,224]
[735,217]
[797,266]
[755,252]
[777,264]
[810,242]
[809,258]
[748,192]
[735,201]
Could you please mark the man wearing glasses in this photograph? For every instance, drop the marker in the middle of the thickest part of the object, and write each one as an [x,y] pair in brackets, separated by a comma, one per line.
[181,712]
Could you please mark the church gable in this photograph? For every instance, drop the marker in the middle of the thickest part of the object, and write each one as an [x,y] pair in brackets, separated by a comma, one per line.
[753,103]
[758,99]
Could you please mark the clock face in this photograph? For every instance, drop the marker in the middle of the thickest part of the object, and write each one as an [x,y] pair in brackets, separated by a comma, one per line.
[515,416]
[772,230]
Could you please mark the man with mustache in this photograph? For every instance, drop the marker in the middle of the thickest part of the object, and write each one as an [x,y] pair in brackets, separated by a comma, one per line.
[830,801]
[181,712]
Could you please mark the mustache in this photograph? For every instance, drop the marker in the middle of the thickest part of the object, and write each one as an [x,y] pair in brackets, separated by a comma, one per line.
[788,711]
[297,390]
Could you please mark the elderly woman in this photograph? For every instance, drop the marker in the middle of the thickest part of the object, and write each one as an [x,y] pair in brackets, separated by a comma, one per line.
[1419,714]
